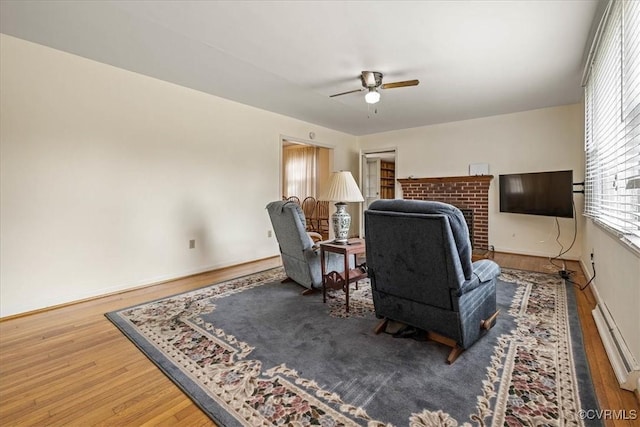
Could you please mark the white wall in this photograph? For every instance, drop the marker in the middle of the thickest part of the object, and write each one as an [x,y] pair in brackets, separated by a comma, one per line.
[617,281]
[531,141]
[106,175]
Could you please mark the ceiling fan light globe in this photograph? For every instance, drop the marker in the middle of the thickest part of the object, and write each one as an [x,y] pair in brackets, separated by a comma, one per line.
[372,97]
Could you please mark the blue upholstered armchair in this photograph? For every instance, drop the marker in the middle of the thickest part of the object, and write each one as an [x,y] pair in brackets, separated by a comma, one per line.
[419,261]
[300,254]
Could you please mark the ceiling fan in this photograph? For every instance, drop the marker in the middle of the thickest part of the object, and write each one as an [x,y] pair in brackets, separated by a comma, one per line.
[371,82]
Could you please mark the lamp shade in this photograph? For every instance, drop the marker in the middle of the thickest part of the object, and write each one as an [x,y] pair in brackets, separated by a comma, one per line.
[342,188]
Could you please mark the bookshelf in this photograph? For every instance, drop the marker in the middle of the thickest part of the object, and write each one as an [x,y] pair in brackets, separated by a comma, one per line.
[387,180]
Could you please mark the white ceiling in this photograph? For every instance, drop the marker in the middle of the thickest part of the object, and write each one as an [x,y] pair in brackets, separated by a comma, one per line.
[473,58]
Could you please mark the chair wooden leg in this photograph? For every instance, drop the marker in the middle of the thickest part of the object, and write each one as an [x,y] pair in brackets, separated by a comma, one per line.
[381,326]
[305,292]
[453,355]
[488,324]
[456,350]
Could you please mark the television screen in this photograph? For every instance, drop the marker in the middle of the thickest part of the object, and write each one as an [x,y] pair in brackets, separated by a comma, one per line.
[540,193]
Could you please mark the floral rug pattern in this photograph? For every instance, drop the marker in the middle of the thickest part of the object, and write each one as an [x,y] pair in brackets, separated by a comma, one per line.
[531,379]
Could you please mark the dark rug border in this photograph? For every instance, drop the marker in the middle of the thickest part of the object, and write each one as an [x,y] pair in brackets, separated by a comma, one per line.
[586,391]
[194,393]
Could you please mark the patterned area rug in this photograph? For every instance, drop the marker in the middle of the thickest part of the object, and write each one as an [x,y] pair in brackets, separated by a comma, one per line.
[254,351]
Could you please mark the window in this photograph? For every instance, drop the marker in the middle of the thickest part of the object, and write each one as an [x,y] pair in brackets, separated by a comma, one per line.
[612,123]
[300,167]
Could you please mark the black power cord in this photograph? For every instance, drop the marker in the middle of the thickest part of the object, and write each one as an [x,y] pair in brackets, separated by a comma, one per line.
[582,288]
[565,274]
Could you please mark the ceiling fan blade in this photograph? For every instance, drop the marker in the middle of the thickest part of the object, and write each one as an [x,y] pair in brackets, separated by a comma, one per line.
[345,93]
[401,84]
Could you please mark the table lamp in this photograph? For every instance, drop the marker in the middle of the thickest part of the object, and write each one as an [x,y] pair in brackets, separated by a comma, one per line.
[342,189]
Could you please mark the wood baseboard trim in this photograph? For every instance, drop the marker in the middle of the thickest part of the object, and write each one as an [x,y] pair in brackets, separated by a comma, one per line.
[507,252]
[124,291]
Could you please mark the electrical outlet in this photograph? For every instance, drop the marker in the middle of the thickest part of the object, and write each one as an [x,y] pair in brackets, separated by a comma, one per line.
[192,244]
[269,233]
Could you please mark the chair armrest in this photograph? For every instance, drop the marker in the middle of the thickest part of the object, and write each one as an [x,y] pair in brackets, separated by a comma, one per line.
[317,243]
[468,285]
[316,237]
[483,271]
[486,270]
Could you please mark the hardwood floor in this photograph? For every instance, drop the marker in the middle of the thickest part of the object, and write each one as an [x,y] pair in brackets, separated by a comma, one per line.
[71,366]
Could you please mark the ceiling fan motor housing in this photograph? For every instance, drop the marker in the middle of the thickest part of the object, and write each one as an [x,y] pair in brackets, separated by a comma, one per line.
[371,79]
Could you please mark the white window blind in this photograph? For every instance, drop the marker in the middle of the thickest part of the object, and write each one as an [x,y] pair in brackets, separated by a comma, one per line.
[612,123]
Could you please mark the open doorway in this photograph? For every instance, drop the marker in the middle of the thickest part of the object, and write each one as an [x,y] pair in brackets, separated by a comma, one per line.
[305,171]
[377,177]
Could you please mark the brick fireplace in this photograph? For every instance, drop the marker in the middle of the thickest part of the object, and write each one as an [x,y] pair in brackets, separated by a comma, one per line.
[465,192]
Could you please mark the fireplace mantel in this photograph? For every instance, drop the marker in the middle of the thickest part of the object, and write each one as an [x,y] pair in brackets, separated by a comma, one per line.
[464,192]
[471,178]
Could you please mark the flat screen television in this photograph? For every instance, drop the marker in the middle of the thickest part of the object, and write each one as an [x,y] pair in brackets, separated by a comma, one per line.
[538,193]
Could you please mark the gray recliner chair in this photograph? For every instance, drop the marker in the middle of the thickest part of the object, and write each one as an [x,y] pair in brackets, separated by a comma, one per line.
[419,262]
[300,254]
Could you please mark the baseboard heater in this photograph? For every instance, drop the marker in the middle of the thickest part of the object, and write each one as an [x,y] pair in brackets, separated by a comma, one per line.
[624,364]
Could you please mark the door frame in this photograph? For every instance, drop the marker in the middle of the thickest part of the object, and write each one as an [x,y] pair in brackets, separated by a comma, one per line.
[300,141]
[363,153]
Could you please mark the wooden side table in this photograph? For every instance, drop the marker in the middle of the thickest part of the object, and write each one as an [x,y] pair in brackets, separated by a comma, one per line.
[335,280]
